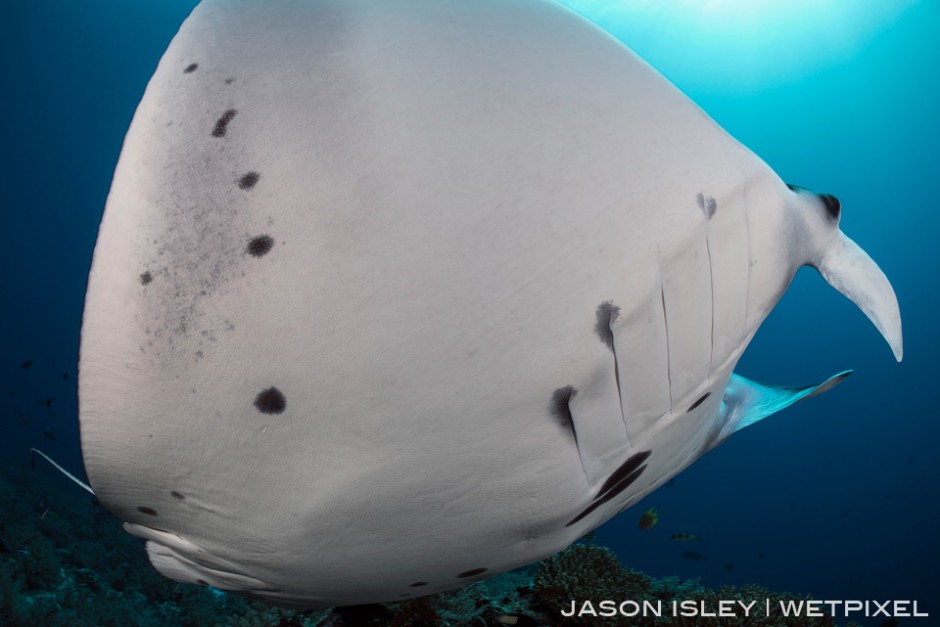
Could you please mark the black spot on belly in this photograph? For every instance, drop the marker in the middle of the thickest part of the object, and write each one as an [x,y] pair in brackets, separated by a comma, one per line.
[418,584]
[590,508]
[260,246]
[607,312]
[249,180]
[707,204]
[614,490]
[471,573]
[621,485]
[147,510]
[146,278]
[191,68]
[625,469]
[699,401]
[177,495]
[221,125]
[618,481]
[270,401]
[561,410]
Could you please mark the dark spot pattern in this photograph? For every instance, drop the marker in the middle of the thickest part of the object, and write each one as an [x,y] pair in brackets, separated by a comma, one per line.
[249,180]
[271,401]
[260,246]
[418,584]
[618,481]
[606,313]
[146,278]
[833,206]
[707,204]
[221,125]
[147,510]
[229,81]
[471,573]
[561,410]
[699,401]
[625,469]
[611,494]
[190,68]
[621,485]
[177,495]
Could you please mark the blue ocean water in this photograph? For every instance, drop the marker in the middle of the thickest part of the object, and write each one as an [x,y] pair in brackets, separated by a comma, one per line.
[834,497]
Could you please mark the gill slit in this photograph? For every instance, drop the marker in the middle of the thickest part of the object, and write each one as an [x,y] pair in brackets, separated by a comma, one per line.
[711,279]
[623,416]
[577,446]
[750,260]
[662,298]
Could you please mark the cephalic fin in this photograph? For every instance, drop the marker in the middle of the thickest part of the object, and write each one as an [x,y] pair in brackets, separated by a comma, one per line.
[850,270]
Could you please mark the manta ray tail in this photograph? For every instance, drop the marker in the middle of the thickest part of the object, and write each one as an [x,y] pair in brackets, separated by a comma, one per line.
[35,451]
[849,269]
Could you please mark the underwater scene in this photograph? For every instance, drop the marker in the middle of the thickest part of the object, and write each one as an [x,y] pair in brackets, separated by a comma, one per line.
[823,514]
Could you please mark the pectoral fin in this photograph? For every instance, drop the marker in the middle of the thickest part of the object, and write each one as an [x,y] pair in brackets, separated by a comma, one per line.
[745,401]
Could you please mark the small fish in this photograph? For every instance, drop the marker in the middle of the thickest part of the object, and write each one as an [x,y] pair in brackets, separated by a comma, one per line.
[670,483]
[65,375]
[695,556]
[729,566]
[48,434]
[649,519]
[47,402]
[686,537]
[26,365]
[761,556]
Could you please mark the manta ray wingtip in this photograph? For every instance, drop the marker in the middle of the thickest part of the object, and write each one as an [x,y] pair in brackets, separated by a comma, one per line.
[748,402]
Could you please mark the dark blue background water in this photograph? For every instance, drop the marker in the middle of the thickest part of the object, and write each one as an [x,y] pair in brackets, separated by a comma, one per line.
[839,494]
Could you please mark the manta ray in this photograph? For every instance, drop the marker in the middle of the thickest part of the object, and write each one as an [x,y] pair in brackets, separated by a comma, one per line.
[389,297]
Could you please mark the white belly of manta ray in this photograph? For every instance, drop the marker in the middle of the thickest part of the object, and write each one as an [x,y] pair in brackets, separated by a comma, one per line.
[389,297]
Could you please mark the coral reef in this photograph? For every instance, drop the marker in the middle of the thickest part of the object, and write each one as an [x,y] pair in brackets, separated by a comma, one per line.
[586,571]
[66,561]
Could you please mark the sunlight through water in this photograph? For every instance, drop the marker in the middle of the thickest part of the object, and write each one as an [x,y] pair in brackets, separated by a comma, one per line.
[742,45]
